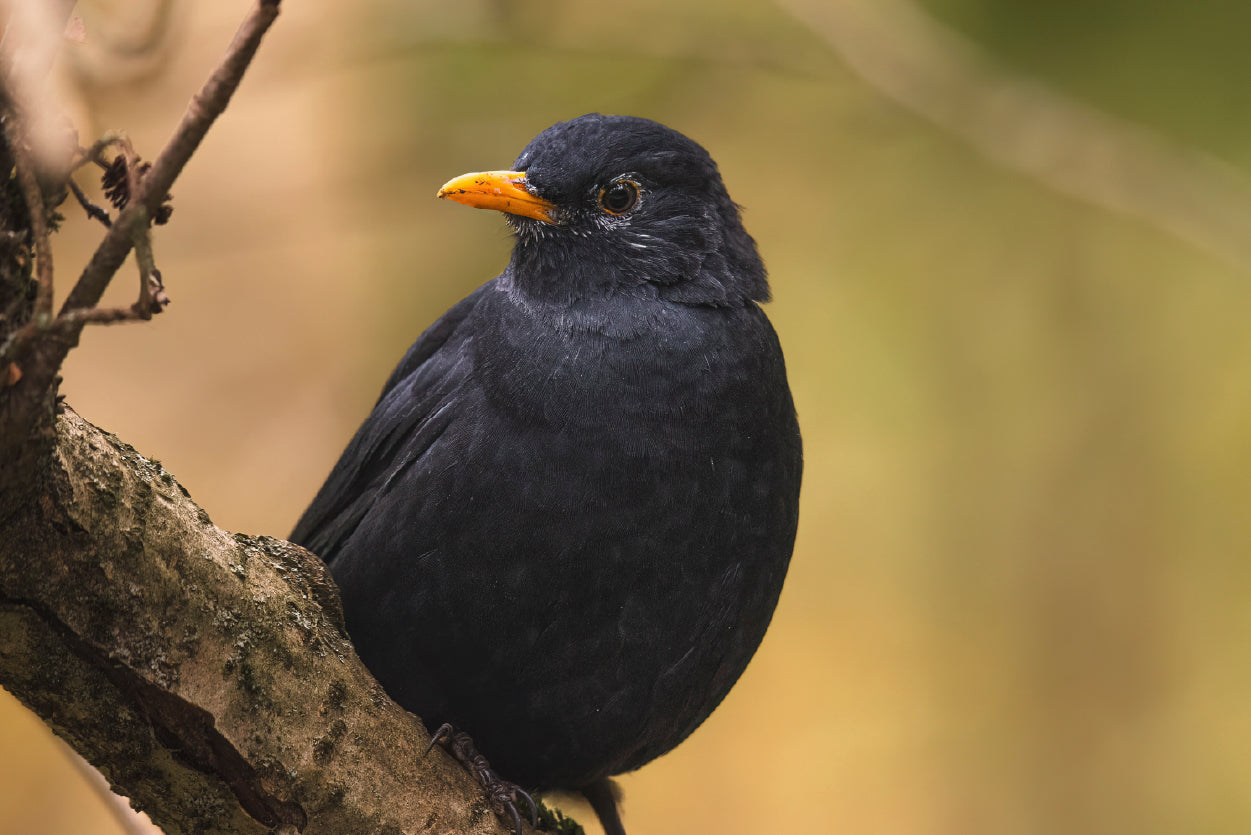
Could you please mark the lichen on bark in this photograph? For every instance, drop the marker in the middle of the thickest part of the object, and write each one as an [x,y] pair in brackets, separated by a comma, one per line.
[208,675]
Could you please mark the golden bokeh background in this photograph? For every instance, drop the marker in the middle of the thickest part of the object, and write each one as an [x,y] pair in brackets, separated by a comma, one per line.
[1020,597]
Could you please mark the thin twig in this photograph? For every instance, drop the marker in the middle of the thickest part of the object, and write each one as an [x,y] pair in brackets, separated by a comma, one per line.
[69,323]
[41,346]
[204,108]
[140,230]
[96,151]
[93,211]
[151,298]
[25,168]
[73,319]
[31,38]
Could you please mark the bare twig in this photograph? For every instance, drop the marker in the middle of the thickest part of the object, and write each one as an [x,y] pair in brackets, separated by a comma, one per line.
[204,108]
[93,211]
[69,323]
[96,152]
[145,200]
[151,289]
[32,35]
[123,191]
[25,168]
[1072,148]
[73,319]
[38,348]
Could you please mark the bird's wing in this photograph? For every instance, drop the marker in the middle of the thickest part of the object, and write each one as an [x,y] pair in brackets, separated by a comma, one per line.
[411,397]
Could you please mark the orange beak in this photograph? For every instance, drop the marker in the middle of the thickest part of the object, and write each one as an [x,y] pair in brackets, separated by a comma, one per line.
[504,191]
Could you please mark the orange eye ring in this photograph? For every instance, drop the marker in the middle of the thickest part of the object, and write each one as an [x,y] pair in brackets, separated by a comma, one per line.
[619,197]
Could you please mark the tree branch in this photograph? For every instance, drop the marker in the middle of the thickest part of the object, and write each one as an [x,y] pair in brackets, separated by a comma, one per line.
[207,675]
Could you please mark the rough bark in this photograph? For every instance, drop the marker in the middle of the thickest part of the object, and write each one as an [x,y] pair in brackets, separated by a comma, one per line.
[206,674]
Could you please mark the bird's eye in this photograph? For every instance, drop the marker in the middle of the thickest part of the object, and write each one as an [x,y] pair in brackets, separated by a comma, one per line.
[619,197]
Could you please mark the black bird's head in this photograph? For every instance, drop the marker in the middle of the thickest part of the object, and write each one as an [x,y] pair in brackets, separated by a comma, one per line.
[604,205]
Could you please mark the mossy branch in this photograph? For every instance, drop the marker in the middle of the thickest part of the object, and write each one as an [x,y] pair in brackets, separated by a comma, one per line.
[207,675]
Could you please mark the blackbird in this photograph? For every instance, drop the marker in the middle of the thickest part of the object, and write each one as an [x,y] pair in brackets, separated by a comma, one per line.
[565,525]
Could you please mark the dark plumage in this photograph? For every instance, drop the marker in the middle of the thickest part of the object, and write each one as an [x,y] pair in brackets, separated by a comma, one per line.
[565,525]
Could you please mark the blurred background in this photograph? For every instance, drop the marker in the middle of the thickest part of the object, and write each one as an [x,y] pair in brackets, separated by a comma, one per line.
[1009,245]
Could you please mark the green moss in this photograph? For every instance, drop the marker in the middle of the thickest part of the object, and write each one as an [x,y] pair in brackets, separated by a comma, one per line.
[551,820]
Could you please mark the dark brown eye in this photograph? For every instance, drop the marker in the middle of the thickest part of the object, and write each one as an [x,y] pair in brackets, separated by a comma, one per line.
[620,197]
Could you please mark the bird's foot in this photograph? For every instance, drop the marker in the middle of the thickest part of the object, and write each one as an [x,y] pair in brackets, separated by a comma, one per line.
[502,794]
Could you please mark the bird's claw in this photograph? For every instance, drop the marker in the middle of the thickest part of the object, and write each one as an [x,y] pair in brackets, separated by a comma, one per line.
[501,794]
[443,734]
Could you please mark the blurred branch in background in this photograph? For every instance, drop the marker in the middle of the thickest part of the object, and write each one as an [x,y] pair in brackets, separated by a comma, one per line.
[128,42]
[1075,149]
